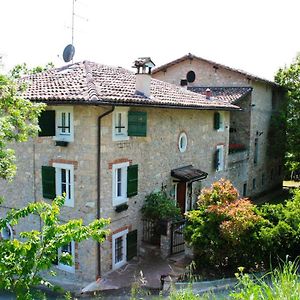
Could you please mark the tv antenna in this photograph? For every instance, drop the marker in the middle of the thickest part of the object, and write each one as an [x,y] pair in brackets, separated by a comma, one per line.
[69,50]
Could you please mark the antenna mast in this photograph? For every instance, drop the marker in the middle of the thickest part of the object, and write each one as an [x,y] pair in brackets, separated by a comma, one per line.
[73,17]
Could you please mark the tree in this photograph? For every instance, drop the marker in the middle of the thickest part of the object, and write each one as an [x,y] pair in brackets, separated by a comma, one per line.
[289,78]
[18,122]
[22,261]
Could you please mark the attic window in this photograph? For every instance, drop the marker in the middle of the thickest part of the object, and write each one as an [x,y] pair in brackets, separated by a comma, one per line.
[190,76]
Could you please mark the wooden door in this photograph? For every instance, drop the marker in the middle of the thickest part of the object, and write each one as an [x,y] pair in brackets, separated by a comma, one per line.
[181,195]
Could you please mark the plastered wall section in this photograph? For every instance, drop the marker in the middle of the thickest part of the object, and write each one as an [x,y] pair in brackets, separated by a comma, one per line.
[156,155]
[206,74]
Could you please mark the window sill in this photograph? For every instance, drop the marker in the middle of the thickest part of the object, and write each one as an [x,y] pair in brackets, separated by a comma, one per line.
[120,138]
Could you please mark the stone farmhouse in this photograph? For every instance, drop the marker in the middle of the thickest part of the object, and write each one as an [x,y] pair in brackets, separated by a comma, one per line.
[109,137]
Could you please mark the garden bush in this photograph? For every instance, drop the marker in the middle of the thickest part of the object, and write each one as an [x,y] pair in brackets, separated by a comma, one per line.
[158,206]
[226,231]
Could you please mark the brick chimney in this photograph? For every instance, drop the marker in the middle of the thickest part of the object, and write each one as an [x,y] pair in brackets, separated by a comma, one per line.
[144,66]
[208,93]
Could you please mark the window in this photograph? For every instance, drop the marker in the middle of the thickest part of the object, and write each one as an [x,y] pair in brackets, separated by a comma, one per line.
[6,233]
[120,124]
[182,142]
[64,124]
[125,182]
[58,180]
[119,249]
[219,158]
[262,179]
[190,76]
[253,184]
[245,190]
[128,123]
[218,121]
[70,249]
[58,123]
[255,151]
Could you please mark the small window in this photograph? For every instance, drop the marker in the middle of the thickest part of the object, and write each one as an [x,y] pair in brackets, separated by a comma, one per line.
[219,158]
[70,249]
[182,142]
[245,190]
[64,182]
[120,124]
[218,121]
[6,233]
[119,249]
[64,124]
[120,183]
[191,76]
[253,184]
[255,159]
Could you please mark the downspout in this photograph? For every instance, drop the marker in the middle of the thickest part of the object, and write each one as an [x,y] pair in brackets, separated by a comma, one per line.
[99,183]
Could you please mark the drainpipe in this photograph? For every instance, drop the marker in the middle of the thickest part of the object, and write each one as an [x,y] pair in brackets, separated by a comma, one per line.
[99,183]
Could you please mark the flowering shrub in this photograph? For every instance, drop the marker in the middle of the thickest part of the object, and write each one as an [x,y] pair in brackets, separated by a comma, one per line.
[228,231]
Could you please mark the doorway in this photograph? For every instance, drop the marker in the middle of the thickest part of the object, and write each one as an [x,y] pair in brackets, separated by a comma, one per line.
[181,196]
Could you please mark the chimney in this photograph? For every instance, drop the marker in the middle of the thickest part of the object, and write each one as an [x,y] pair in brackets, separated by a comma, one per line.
[208,93]
[144,66]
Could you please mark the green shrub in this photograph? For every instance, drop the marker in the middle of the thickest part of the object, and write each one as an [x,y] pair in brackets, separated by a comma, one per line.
[158,206]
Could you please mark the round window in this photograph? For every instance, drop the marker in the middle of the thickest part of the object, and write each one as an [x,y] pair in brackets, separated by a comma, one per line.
[6,232]
[182,142]
[191,76]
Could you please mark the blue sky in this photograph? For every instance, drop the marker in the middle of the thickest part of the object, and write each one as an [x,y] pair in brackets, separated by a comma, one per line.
[257,36]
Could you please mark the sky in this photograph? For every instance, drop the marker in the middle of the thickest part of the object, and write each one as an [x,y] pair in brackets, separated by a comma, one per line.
[257,36]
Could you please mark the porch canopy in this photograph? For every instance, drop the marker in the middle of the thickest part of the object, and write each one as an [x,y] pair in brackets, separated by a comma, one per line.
[188,174]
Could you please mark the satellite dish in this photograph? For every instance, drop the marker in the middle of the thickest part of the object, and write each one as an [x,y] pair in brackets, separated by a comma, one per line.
[68,53]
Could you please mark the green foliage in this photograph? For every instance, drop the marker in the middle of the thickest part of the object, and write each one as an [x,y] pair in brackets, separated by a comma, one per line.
[22,70]
[18,122]
[282,283]
[289,78]
[158,206]
[23,260]
[228,232]
[280,234]
[221,229]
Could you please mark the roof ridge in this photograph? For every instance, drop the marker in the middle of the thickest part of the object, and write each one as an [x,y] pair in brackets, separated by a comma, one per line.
[91,86]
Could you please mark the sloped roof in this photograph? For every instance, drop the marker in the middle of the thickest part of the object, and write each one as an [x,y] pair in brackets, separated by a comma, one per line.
[90,83]
[188,174]
[224,94]
[192,56]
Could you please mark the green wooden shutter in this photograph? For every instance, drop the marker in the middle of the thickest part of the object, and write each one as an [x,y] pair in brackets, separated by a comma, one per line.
[216,120]
[131,244]
[137,123]
[216,159]
[47,123]
[132,180]
[48,182]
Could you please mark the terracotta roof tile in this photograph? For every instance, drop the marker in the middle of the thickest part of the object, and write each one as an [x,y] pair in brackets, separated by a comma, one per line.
[224,94]
[90,83]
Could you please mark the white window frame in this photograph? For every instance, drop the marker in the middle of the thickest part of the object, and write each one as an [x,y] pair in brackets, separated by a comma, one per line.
[222,118]
[220,158]
[70,181]
[117,200]
[184,137]
[59,134]
[120,134]
[123,234]
[67,268]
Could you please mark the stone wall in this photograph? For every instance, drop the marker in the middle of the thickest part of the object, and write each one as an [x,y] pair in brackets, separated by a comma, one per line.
[250,123]
[156,155]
